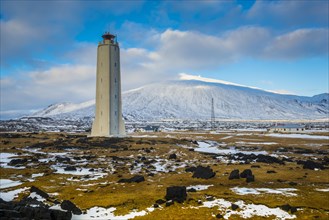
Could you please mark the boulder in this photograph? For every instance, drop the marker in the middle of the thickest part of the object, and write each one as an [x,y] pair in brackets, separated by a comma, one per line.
[71,207]
[234,206]
[234,175]
[176,193]
[39,192]
[250,179]
[271,171]
[134,179]
[190,169]
[15,162]
[172,157]
[203,172]
[312,165]
[70,168]
[245,173]
[219,216]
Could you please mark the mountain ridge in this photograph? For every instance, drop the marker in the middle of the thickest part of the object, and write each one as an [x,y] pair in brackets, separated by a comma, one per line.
[191,99]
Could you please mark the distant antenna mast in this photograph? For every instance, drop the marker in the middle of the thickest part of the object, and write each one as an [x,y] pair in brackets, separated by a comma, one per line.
[212,114]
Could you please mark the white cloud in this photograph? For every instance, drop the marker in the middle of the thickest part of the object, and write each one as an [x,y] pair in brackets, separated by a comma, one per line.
[174,51]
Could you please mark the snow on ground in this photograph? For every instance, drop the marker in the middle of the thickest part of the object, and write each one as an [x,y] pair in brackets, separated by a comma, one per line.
[199,187]
[10,195]
[323,190]
[256,143]
[247,210]
[306,136]
[6,183]
[212,147]
[257,191]
[103,213]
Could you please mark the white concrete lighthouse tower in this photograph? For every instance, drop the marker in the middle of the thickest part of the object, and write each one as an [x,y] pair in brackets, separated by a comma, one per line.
[108,120]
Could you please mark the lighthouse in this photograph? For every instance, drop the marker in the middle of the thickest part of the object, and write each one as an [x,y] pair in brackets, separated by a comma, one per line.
[108,120]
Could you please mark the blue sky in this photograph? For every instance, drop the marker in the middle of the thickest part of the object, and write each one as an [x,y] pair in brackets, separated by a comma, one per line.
[48,48]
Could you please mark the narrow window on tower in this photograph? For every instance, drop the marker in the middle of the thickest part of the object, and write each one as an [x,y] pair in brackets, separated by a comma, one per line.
[115,96]
[115,80]
[115,64]
[115,113]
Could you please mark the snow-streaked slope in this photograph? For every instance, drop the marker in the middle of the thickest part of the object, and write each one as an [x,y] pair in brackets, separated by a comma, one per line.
[191,99]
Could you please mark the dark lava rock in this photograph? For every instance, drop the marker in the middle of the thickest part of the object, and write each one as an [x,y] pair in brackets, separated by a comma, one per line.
[292,184]
[191,190]
[70,168]
[255,166]
[234,175]
[234,206]
[271,171]
[288,208]
[172,156]
[39,192]
[250,179]
[203,172]
[71,207]
[169,203]
[62,159]
[245,173]
[134,179]
[311,165]
[219,216]
[160,201]
[22,211]
[190,169]
[15,162]
[155,206]
[176,193]
[257,158]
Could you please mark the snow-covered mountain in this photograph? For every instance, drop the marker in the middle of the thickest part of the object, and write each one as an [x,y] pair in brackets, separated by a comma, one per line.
[190,98]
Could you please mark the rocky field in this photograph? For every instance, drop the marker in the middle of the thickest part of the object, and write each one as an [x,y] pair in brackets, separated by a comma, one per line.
[233,174]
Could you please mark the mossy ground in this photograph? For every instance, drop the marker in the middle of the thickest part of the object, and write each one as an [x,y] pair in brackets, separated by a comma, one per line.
[106,192]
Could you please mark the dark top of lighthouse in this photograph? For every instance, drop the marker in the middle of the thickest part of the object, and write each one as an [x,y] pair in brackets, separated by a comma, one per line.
[108,36]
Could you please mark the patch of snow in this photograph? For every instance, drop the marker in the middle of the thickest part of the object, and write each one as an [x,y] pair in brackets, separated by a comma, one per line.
[257,191]
[7,183]
[199,187]
[37,175]
[322,190]
[213,148]
[256,143]
[103,213]
[10,195]
[247,210]
[39,198]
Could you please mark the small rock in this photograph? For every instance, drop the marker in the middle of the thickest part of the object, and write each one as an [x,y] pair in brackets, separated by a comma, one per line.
[160,201]
[39,192]
[234,175]
[172,156]
[71,207]
[245,173]
[134,179]
[176,193]
[234,206]
[70,168]
[15,162]
[271,171]
[190,169]
[203,172]
[292,184]
[191,190]
[219,216]
[250,179]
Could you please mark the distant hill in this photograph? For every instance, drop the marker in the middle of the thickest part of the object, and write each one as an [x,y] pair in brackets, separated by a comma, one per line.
[191,99]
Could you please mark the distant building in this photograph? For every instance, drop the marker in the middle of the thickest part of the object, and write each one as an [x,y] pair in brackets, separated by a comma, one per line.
[148,128]
[286,128]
